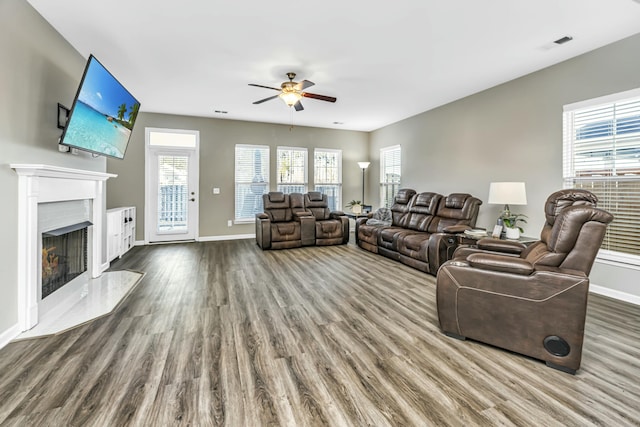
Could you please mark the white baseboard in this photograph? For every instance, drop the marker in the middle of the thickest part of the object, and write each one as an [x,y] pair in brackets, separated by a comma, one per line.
[227,237]
[9,334]
[612,293]
[138,243]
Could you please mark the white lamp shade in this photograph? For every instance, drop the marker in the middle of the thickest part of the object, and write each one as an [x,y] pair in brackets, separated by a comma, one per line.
[507,193]
[364,165]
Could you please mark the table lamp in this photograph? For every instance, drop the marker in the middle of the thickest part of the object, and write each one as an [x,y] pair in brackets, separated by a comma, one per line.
[507,193]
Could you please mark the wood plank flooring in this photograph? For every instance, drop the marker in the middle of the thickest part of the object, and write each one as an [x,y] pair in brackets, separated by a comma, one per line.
[222,333]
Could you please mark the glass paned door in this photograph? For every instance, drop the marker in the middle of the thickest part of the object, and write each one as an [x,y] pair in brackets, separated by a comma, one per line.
[171,211]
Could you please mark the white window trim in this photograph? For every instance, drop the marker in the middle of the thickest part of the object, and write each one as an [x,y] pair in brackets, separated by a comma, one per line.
[382,167]
[330,150]
[604,256]
[306,166]
[149,192]
[235,182]
[339,183]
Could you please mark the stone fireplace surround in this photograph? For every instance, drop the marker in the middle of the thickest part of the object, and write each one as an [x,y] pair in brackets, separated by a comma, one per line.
[37,184]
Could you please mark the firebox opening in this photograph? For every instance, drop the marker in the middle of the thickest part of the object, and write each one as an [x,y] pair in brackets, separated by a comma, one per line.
[64,257]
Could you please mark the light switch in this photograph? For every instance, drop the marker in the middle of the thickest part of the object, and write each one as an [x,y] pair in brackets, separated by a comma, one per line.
[216,190]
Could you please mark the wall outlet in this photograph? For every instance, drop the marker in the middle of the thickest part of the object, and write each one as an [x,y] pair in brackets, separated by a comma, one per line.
[230,223]
[216,190]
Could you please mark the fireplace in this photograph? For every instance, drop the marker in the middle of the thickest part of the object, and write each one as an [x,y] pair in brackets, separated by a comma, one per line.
[53,198]
[64,256]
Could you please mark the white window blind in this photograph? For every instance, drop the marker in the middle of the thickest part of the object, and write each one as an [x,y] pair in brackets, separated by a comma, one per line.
[292,169]
[390,174]
[327,167]
[251,179]
[602,154]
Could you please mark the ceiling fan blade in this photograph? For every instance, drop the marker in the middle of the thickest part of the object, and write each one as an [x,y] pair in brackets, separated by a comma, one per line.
[298,106]
[304,84]
[320,97]
[266,87]
[266,99]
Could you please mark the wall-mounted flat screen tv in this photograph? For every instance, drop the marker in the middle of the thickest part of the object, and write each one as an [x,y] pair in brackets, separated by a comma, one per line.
[102,115]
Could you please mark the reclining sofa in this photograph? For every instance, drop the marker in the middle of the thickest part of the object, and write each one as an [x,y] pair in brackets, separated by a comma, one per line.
[423,228]
[295,220]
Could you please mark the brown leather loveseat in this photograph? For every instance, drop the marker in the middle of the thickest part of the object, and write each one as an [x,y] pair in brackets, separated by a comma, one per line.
[530,300]
[295,220]
[423,228]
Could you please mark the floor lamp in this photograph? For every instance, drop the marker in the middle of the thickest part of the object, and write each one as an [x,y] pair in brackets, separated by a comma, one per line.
[363,166]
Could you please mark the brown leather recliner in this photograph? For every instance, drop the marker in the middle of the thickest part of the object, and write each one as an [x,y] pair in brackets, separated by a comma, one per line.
[331,228]
[284,223]
[529,300]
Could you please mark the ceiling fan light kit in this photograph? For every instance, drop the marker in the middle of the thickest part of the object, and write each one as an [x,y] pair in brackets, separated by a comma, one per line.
[292,92]
[290,98]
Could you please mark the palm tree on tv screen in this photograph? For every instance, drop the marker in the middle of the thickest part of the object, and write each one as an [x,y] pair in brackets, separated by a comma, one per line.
[122,109]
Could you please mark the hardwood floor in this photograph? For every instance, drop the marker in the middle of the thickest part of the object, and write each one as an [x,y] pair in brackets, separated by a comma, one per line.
[223,333]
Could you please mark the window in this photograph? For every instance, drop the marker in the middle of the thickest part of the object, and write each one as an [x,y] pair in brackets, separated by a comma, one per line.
[327,167]
[390,174]
[292,170]
[252,180]
[602,154]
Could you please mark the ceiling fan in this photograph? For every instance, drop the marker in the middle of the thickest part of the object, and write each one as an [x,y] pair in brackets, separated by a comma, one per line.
[292,92]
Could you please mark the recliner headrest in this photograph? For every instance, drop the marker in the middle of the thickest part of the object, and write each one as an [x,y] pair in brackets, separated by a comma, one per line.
[562,199]
[426,203]
[315,196]
[404,195]
[276,196]
[456,200]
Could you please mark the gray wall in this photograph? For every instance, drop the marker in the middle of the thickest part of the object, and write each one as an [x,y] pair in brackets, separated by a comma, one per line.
[38,69]
[512,132]
[217,144]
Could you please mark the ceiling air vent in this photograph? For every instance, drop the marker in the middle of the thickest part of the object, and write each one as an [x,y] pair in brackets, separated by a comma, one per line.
[563,40]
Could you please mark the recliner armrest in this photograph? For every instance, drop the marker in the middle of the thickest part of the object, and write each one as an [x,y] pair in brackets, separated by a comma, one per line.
[307,227]
[497,245]
[505,264]
[457,228]
[299,215]
[336,214]
[263,230]
[439,249]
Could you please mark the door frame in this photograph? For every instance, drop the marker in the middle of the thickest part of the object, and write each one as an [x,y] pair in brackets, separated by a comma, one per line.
[195,168]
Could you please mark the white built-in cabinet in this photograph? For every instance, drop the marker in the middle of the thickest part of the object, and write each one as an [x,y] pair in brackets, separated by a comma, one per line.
[121,231]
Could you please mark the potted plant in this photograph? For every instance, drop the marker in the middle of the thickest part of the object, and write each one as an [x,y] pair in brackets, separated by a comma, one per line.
[511,225]
[356,206]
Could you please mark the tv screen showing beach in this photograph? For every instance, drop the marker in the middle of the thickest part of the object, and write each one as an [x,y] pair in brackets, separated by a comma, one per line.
[103,114]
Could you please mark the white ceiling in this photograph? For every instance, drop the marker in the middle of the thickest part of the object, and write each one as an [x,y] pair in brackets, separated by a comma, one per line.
[383,60]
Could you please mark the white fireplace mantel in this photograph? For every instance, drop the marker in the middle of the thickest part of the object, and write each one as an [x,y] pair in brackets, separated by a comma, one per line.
[39,183]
